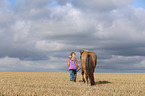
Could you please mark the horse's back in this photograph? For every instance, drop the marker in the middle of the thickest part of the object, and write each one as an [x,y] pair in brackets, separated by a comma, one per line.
[92,54]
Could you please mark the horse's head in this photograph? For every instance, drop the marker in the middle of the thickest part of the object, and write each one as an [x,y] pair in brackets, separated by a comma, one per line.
[81,52]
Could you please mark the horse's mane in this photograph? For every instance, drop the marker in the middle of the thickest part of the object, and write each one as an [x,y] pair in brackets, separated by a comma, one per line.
[86,50]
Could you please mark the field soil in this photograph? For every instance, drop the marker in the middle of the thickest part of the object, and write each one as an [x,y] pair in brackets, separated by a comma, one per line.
[58,84]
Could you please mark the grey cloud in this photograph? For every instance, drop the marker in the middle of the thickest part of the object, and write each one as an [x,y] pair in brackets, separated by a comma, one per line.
[4,4]
[122,63]
[100,5]
[7,18]
[62,2]
[27,4]
[32,10]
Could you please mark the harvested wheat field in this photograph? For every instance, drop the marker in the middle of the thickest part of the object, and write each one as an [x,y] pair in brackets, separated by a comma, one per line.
[58,84]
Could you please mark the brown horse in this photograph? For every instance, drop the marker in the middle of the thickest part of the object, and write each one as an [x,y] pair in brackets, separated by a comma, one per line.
[88,64]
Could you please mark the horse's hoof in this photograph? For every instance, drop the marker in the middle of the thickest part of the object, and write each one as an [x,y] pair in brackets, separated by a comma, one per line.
[84,80]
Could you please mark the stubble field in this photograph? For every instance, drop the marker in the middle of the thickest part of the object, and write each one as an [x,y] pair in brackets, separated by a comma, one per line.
[58,84]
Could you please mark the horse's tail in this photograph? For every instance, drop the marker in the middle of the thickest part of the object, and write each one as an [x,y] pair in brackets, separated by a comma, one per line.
[89,69]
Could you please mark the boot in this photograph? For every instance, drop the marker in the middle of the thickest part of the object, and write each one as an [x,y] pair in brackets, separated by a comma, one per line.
[74,80]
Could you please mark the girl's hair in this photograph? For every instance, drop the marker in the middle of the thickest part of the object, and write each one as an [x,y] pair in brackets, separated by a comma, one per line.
[70,56]
[72,53]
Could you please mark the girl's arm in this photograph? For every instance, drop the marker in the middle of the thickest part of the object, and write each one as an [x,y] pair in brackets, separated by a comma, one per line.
[77,65]
[68,63]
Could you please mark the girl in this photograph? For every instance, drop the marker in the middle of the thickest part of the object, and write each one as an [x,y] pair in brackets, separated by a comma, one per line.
[72,64]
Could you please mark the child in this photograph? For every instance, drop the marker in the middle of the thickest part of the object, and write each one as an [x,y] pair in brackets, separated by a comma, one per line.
[72,64]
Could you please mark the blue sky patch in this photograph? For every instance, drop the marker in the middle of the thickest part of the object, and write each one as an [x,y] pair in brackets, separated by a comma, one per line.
[139,3]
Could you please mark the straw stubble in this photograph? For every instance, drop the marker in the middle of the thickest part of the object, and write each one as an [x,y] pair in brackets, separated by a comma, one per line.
[58,84]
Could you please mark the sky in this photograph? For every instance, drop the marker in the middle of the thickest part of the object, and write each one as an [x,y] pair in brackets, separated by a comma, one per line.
[39,35]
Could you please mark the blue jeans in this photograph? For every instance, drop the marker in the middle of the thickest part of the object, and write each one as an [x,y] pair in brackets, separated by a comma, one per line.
[73,74]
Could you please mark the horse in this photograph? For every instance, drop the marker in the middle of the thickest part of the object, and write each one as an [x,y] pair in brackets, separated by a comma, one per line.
[88,64]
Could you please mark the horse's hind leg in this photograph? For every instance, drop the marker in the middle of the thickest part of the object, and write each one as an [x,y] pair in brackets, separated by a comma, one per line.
[83,76]
[86,78]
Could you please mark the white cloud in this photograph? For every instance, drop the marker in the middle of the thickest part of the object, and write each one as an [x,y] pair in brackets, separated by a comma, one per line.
[11,64]
[49,45]
[21,30]
[15,64]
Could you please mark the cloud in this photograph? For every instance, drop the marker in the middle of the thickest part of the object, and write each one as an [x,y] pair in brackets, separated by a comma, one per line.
[122,63]
[32,10]
[40,34]
[15,64]
[4,4]
[100,5]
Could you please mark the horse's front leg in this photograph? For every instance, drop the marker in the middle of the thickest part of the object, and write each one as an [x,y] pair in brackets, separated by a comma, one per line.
[83,76]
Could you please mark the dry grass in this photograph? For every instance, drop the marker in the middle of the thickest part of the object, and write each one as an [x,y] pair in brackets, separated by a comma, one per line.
[58,84]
